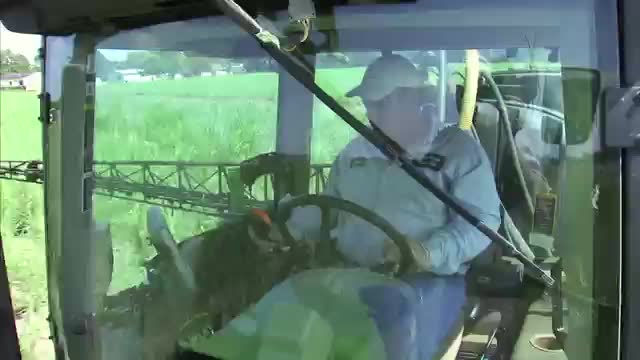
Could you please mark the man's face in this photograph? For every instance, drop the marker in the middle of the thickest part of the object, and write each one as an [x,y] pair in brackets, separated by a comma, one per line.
[400,116]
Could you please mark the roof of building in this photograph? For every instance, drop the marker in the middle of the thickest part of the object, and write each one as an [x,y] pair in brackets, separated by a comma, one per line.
[13,76]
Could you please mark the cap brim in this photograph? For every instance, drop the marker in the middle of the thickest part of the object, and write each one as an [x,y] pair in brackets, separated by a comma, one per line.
[366,93]
[371,95]
[356,91]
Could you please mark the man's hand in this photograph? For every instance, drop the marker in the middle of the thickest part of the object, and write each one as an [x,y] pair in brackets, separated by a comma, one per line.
[271,241]
[420,255]
[390,252]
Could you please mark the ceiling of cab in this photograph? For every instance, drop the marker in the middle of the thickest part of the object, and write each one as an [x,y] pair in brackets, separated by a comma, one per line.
[360,24]
[59,17]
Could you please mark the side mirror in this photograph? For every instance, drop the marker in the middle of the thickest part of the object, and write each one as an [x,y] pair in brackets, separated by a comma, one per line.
[580,94]
[622,118]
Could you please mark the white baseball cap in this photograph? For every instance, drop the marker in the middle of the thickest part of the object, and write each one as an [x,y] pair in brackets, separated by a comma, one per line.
[386,74]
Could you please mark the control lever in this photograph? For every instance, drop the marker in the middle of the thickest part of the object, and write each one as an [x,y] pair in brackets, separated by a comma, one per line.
[165,244]
[263,164]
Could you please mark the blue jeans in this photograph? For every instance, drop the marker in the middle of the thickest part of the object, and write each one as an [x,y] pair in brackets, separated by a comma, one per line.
[418,328]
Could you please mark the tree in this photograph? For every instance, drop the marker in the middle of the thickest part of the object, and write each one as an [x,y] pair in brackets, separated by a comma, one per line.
[154,63]
[136,59]
[196,65]
[172,62]
[36,63]
[105,69]
[13,63]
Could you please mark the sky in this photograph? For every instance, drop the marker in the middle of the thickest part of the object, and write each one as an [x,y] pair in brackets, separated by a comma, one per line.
[26,45]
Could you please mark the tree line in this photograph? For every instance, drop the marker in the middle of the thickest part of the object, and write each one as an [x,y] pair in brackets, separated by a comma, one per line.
[175,63]
[11,62]
[158,63]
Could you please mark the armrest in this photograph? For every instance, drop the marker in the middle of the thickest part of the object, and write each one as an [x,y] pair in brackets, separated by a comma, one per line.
[502,278]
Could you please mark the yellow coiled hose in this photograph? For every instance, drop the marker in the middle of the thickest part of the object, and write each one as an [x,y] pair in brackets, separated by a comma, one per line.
[472,74]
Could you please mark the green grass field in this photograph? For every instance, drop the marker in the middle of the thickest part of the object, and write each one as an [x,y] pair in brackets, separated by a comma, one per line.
[22,223]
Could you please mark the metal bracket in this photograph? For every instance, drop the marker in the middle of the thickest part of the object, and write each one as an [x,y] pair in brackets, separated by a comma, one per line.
[622,117]
[83,324]
[301,10]
[46,114]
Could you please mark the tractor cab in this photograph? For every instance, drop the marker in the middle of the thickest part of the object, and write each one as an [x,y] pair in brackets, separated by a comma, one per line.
[180,136]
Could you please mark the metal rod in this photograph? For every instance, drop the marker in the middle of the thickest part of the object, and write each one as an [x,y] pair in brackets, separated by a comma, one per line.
[443,88]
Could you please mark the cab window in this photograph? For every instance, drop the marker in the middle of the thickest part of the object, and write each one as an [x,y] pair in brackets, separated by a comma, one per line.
[243,218]
[170,131]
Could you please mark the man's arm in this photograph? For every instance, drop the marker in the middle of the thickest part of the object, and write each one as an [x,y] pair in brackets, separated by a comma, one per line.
[455,244]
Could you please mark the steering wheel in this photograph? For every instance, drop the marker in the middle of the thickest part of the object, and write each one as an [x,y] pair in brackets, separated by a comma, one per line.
[328,203]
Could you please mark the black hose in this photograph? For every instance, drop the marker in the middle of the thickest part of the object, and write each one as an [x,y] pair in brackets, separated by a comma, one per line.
[504,117]
[511,230]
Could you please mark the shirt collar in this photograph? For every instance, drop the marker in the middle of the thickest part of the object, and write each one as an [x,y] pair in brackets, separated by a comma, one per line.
[362,148]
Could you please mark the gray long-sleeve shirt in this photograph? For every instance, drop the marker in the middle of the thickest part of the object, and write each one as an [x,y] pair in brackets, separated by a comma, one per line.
[454,162]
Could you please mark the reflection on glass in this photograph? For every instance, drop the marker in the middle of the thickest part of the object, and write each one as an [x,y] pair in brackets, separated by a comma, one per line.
[210,260]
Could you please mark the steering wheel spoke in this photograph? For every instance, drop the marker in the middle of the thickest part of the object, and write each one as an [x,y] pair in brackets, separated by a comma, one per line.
[325,222]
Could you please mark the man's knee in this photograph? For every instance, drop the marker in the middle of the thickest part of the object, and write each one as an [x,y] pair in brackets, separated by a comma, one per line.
[395,316]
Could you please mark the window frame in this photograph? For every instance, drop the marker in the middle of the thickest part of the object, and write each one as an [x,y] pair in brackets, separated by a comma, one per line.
[629,11]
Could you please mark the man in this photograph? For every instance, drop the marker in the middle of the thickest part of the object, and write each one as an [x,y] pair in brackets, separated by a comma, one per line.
[396,101]
[418,317]
[397,104]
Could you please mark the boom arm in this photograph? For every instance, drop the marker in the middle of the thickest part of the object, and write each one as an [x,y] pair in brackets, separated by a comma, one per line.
[200,187]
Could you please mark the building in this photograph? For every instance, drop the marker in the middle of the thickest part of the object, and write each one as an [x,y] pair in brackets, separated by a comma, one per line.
[12,80]
[237,68]
[33,82]
[131,75]
[24,81]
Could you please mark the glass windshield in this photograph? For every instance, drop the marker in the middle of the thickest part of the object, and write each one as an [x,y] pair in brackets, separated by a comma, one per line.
[240,217]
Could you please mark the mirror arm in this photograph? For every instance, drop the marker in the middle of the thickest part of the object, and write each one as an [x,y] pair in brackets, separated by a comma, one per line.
[622,117]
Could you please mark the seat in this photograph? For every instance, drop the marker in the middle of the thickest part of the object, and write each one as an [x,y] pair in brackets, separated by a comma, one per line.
[487,125]
[493,280]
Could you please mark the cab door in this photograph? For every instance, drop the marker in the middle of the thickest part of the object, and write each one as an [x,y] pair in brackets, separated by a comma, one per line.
[630,76]
[69,85]
[9,347]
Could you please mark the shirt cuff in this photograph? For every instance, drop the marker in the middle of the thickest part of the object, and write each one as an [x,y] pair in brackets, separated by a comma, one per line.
[433,257]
